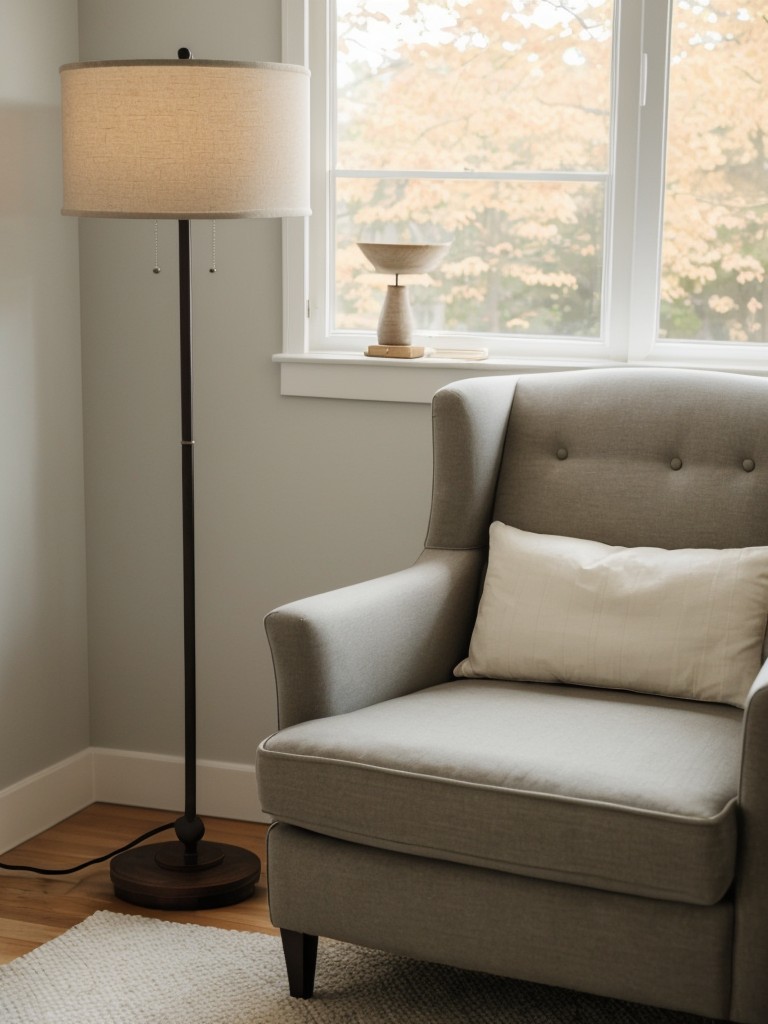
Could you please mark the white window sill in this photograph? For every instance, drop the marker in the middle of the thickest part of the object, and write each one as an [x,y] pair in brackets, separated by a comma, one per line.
[353,375]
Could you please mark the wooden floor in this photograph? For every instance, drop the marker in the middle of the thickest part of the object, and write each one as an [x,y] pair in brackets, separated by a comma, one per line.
[36,908]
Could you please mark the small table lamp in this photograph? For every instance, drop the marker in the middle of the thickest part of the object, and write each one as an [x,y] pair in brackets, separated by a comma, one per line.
[185,139]
[395,330]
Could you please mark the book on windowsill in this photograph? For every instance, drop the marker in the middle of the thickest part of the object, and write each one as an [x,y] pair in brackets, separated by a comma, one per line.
[456,353]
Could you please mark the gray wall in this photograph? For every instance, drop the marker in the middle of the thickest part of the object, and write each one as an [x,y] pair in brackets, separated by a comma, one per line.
[294,496]
[43,668]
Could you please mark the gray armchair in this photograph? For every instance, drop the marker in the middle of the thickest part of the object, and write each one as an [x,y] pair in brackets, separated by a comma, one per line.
[598,839]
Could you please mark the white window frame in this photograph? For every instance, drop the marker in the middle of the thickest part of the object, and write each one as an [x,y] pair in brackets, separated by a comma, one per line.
[315,363]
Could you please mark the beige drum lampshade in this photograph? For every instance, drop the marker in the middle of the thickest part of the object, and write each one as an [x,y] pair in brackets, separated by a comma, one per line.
[185,138]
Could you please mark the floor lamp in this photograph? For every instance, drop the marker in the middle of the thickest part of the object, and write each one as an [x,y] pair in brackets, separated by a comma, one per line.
[185,139]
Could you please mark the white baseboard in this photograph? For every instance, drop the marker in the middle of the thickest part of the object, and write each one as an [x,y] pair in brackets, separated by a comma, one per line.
[45,798]
[157,780]
[123,777]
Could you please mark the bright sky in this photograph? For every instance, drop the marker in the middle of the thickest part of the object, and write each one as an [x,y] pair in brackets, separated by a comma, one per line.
[381,39]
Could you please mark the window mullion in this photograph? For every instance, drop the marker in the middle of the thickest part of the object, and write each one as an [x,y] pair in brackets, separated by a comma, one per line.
[438,175]
[321,19]
[646,254]
[295,50]
[622,194]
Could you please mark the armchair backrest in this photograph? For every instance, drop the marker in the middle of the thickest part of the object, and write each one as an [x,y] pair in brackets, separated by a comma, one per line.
[633,456]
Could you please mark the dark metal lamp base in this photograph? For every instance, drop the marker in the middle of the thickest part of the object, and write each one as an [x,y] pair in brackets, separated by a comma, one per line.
[158,876]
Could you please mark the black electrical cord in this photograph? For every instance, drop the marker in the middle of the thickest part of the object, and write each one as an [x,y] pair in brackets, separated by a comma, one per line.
[88,863]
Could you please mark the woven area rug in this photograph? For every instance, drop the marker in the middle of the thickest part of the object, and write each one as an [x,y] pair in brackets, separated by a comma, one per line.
[124,969]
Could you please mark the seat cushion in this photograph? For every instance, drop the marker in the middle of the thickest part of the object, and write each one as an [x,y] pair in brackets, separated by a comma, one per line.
[616,791]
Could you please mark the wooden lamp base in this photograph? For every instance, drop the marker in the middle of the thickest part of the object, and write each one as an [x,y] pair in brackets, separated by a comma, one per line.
[157,876]
[396,351]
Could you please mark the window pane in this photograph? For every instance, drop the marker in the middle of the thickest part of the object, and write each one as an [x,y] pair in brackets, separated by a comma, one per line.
[473,84]
[715,247]
[525,258]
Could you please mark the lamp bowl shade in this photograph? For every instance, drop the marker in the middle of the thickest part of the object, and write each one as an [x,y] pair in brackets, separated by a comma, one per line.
[403,258]
[185,139]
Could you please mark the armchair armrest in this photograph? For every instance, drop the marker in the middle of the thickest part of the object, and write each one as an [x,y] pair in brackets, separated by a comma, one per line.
[750,978]
[372,641]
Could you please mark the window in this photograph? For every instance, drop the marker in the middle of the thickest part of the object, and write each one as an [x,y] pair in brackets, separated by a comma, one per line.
[599,168]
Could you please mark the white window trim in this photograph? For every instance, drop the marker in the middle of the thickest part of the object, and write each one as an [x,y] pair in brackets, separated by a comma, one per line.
[630,318]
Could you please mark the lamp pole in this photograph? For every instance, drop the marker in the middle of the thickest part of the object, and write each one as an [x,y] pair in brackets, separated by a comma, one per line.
[190,828]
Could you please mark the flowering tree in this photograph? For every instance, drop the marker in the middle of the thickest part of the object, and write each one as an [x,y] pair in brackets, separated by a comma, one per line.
[487,87]
[715,252]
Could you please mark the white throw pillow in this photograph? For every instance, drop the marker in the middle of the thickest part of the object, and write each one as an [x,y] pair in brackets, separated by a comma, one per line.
[683,623]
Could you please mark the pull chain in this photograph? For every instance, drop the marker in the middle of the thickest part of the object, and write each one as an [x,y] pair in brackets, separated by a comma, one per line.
[212,268]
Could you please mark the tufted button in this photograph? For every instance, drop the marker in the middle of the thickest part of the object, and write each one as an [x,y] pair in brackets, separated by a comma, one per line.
[748,465]
[562,453]
[676,463]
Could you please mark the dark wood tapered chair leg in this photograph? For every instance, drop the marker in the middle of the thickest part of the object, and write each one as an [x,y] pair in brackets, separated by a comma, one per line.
[300,959]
